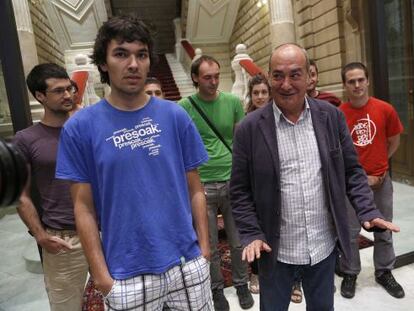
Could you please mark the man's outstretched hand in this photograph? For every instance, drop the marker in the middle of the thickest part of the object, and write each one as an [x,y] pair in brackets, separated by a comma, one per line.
[253,250]
[382,224]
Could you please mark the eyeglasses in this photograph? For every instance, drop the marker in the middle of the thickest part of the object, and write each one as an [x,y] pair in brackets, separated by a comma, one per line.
[61,90]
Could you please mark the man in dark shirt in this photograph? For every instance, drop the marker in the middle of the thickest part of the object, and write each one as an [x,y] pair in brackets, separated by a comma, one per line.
[313,82]
[64,264]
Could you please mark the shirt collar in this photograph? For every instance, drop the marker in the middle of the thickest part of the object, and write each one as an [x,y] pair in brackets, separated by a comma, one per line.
[279,115]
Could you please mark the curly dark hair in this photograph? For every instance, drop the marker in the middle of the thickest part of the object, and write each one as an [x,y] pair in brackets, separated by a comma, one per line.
[255,80]
[36,79]
[122,29]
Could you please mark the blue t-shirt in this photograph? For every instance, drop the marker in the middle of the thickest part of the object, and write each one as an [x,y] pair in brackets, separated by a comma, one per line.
[136,163]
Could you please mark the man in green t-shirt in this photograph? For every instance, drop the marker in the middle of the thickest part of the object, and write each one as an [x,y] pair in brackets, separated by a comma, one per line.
[223,111]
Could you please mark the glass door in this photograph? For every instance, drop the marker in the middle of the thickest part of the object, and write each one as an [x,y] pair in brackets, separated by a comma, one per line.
[399,33]
[399,25]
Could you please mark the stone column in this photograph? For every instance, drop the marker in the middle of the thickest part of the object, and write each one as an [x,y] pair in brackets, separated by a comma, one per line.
[282,28]
[178,37]
[26,36]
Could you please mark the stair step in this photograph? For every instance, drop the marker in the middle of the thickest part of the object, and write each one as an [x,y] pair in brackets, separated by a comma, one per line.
[181,77]
[163,73]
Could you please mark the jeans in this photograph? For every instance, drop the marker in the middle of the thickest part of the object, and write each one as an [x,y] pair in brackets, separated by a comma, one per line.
[217,195]
[317,283]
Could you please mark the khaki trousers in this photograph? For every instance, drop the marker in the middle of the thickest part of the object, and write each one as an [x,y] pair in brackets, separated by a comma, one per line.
[65,273]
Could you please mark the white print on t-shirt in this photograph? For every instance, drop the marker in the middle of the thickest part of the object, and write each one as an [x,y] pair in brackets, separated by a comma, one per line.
[142,135]
[363,132]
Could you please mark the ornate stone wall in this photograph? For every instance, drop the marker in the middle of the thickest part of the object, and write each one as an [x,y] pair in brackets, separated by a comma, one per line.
[48,48]
[252,29]
[319,28]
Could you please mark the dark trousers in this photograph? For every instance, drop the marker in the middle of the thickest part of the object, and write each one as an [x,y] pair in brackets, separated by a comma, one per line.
[317,282]
[217,195]
[254,267]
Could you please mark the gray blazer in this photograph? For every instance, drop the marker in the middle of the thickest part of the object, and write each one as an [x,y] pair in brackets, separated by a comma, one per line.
[255,180]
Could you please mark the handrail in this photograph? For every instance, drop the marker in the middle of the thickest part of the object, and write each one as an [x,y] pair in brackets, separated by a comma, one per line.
[251,68]
[188,48]
[244,68]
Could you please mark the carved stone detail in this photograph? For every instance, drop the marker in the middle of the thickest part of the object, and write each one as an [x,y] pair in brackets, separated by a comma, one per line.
[351,14]
[281,11]
[211,21]
[22,15]
[75,22]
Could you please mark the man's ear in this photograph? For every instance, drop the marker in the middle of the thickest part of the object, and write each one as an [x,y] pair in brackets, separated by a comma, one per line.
[194,78]
[104,67]
[40,97]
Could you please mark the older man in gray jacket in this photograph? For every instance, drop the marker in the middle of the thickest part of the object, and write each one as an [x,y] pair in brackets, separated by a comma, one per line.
[293,165]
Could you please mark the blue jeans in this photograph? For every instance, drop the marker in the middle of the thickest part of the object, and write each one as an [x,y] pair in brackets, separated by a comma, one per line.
[317,282]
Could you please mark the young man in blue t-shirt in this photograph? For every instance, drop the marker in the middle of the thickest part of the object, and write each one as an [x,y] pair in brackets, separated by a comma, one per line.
[133,159]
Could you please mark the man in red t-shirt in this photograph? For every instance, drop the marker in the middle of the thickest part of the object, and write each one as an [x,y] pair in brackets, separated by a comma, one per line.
[375,129]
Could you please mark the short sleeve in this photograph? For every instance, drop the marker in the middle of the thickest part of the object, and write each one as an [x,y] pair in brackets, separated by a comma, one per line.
[72,155]
[193,150]
[394,126]
[238,110]
[20,142]
[185,103]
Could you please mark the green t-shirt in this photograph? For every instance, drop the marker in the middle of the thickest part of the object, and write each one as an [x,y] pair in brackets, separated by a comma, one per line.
[224,112]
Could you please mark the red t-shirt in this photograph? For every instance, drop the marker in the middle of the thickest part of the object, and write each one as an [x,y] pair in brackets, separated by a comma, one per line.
[329,97]
[370,127]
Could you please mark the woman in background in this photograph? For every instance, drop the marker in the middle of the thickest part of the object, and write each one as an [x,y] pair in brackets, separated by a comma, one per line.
[259,93]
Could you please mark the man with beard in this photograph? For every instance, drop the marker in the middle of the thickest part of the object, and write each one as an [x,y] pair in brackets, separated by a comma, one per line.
[52,223]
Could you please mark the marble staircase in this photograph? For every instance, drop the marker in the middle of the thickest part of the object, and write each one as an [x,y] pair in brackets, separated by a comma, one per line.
[181,77]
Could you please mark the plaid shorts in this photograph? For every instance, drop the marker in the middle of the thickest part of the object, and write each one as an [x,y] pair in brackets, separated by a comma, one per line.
[183,287]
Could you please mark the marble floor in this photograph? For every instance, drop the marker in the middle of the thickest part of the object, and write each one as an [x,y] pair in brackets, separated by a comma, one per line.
[369,295]
[404,218]
[24,291]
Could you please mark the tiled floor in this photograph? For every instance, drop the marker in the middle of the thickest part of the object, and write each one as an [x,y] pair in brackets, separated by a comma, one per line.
[24,291]
[19,290]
